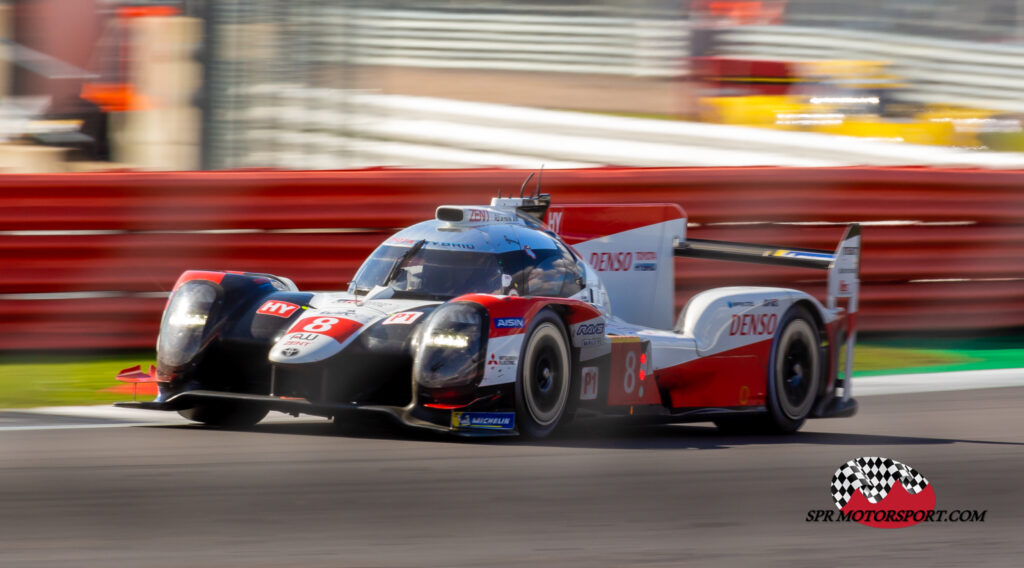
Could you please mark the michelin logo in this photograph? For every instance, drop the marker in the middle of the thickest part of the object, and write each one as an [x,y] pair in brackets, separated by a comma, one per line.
[488,420]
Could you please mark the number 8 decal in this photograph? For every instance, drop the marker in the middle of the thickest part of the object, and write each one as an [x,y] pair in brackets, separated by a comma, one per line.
[321,325]
[629,381]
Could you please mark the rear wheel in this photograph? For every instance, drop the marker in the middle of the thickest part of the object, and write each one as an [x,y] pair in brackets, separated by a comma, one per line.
[795,376]
[545,371]
[225,414]
[794,379]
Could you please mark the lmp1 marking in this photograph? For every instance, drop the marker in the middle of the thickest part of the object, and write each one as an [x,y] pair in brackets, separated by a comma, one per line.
[588,383]
[403,318]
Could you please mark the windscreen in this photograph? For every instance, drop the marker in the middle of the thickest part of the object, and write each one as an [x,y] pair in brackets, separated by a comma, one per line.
[431,273]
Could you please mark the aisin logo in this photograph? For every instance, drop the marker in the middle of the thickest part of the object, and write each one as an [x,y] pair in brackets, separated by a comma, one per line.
[881,492]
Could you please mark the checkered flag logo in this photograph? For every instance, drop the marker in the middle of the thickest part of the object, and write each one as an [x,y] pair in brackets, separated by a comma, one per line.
[874,476]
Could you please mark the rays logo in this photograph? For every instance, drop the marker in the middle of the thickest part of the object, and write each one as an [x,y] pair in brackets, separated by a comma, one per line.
[881,492]
[586,329]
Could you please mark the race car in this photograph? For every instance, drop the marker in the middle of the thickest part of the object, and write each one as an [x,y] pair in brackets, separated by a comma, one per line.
[516,318]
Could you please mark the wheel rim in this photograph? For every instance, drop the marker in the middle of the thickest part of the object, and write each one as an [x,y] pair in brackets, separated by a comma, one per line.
[546,375]
[796,369]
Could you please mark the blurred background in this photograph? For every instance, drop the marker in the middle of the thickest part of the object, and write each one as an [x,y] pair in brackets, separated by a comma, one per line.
[364,92]
[329,84]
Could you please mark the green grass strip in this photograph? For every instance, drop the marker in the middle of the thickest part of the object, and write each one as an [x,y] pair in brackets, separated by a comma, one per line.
[64,379]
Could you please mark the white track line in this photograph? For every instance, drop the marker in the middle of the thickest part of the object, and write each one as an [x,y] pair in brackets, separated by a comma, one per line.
[937,382]
[118,417]
[109,412]
[83,426]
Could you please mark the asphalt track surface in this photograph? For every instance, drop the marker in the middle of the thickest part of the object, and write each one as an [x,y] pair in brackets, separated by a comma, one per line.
[303,494]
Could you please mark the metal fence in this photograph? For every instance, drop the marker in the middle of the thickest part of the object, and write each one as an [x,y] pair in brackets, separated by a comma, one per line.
[324,44]
[953,72]
[304,47]
[976,20]
[308,128]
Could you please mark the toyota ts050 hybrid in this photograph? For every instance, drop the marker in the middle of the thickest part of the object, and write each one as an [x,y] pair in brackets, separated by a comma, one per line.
[515,319]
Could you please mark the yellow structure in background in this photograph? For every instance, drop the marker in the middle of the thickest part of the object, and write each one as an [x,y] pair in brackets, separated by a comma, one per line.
[911,131]
[840,97]
[980,128]
[794,112]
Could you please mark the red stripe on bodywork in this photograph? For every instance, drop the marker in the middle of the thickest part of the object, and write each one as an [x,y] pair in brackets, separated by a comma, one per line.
[578,223]
[574,311]
[189,275]
[336,328]
[738,377]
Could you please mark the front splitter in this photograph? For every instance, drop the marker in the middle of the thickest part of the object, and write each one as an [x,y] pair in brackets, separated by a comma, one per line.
[402,415]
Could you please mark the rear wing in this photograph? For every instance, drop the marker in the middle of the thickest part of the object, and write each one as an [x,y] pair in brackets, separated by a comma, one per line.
[843,268]
[843,265]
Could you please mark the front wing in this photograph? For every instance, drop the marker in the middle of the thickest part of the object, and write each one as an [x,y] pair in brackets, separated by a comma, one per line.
[417,417]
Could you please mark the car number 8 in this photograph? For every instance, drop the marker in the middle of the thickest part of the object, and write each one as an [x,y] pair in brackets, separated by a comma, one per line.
[320,325]
[629,381]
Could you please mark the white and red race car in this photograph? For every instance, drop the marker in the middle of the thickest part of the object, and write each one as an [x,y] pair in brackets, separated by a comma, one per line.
[517,318]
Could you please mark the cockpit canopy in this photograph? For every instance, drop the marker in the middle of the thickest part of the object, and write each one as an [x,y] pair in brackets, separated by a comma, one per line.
[437,261]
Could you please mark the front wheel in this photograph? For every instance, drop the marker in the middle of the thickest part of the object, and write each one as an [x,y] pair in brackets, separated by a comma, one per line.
[225,415]
[795,375]
[545,371]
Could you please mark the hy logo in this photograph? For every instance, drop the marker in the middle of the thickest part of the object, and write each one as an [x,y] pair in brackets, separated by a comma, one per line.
[880,492]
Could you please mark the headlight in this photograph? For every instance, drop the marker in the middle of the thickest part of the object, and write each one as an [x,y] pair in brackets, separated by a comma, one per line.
[184,322]
[450,351]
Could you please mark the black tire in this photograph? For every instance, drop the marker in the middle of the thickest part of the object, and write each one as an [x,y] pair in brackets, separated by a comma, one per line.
[545,374]
[795,373]
[225,415]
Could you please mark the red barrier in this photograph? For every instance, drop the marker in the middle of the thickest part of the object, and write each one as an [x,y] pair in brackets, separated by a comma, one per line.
[943,249]
[90,323]
[141,262]
[383,198]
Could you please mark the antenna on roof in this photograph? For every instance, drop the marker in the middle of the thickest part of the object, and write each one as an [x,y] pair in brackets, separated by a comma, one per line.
[522,189]
[499,193]
[539,177]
